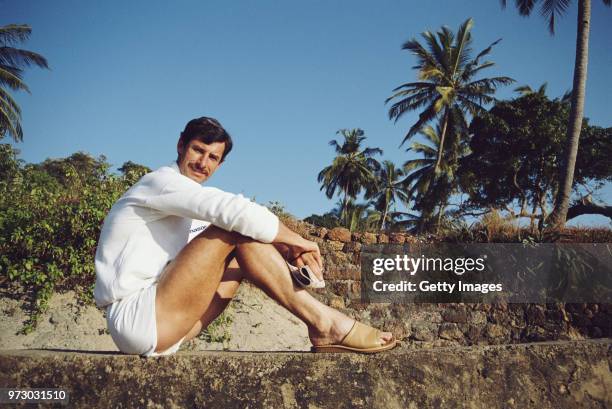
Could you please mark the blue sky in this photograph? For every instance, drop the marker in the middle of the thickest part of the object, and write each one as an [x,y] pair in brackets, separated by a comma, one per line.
[282,76]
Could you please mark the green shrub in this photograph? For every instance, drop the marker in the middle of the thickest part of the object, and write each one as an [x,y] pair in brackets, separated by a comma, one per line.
[50,220]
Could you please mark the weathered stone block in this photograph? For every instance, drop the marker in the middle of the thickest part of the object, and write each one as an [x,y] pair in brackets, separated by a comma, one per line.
[534,333]
[367,238]
[397,238]
[319,232]
[337,287]
[423,331]
[351,247]
[337,258]
[473,334]
[344,272]
[355,288]
[455,315]
[333,245]
[339,234]
[495,331]
[450,331]
[478,318]
[535,315]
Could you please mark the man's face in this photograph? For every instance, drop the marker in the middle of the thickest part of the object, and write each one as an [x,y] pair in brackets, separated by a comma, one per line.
[198,160]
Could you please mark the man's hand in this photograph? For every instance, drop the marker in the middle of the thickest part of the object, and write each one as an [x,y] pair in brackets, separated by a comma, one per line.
[300,251]
[309,259]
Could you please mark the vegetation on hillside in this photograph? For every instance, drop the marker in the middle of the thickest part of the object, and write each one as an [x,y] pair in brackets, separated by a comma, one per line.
[50,219]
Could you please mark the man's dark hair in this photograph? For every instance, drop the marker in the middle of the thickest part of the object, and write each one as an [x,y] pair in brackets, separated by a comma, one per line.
[206,130]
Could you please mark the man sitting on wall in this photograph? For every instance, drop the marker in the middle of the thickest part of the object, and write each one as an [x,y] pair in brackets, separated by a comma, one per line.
[161,287]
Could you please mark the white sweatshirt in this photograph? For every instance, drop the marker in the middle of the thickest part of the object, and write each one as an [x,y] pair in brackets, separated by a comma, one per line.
[151,223]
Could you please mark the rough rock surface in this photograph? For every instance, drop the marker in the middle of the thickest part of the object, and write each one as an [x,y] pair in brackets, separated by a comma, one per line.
[571,374]
[257,324]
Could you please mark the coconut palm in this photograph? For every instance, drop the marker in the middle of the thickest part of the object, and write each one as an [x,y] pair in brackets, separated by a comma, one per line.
[12,63]
[446,73]
[352,169]
[550,9]
[357,216]
[431,188]
[527,90]
[388,189]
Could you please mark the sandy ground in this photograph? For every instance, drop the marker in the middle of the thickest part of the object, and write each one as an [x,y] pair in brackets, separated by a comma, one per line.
[257,324]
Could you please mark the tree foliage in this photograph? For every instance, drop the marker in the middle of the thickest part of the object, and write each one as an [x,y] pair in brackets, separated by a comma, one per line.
[353,168]
[516,151]
[387,190]
[50,219]
[447,83]
[550,10]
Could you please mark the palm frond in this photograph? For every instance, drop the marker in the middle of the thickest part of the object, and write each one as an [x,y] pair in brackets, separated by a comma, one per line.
[21,58]
[417,163]
[14,33]
[437,51]
[424,117]
[525,6]
[471,70]
[410,104]
[549,9]
[372,151]
[9,121]
[424,58]
[12,79]
[414,87]
[7,99]
[463,41]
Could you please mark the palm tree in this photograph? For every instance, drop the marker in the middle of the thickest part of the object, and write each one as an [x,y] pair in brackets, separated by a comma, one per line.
[356,216]
[527,90]
[446,72]
[387,190]
[352,169]
[12,63]
[428,187]
[549,9]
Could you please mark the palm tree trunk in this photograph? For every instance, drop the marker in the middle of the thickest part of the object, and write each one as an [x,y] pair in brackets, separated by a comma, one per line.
[344,202]
[384,217]
[441,148]
[439,218]
[557,218]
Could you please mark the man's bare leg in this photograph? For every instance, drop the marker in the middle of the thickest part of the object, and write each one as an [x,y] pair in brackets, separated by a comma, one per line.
[264,266]
[261,264]
[189,285]
[225,293]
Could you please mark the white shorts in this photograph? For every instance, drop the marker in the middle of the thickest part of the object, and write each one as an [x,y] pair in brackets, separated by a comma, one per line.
[131,322]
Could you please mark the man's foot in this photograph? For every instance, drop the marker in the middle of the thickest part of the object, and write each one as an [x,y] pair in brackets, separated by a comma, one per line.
[334,328]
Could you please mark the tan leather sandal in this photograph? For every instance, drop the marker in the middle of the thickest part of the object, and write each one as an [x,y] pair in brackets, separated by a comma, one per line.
[361,338]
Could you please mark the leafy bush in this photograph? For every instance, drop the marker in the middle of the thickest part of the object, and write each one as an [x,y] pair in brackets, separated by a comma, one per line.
[50,220]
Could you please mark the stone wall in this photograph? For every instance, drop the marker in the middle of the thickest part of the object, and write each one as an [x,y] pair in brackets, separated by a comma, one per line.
[573,374]
[446,324]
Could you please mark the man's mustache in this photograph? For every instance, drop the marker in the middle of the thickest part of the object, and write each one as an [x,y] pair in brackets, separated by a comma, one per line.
[199,169]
